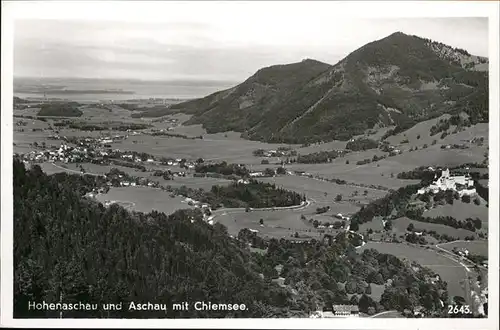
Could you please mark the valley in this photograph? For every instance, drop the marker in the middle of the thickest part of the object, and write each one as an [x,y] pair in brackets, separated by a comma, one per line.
[317,167]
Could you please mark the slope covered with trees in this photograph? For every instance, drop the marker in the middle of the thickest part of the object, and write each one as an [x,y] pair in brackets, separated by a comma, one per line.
[70,249]
[399,80]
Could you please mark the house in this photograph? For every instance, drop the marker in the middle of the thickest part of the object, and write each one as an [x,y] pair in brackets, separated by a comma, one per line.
[419,311]
[346,310]
[280,281]
[343,311]
[254,174]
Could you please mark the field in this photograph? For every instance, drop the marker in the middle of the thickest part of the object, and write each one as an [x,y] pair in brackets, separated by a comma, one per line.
[144,199]
[277,224]
[461,211]
[400,225]
[192,182]
[212,147]
[323,193]
[368,174]
[474,247]
[450,271]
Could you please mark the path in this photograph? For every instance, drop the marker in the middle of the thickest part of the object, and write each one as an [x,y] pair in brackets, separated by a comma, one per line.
[382,313]
[225,211]
[78,172]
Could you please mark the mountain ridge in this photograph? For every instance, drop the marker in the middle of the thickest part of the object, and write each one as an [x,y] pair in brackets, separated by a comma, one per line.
[397,80]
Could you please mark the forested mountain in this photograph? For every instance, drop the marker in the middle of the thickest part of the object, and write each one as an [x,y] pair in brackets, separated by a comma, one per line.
[70,249]
[398,80]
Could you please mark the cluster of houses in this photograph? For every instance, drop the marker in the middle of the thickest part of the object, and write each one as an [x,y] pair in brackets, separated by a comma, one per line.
[463,252]
[463,184]
[179,162]
[336,311]
[276,153]
[204,207]
[342,217]
[65,154]
[386,147]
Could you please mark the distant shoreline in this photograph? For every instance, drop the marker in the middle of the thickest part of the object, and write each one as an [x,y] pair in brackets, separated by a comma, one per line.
[74,91]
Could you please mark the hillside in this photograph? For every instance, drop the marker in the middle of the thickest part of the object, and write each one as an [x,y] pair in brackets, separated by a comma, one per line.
[399,80]
[72,248]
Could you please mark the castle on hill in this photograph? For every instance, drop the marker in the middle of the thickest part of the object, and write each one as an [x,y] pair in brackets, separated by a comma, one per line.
[463,184]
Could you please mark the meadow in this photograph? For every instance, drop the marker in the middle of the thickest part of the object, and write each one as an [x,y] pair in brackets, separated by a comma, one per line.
[474,247]
[323,193]
[461,211]
[144,199]
[276,224]
[399,226]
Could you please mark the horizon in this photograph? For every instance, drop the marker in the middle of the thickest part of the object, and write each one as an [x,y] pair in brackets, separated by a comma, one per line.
[193,51]
[214,81]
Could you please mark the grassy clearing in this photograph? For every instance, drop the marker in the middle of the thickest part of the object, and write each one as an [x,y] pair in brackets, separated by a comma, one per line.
[315,191]
[195,183]
[144,199]
[210,148]
[474,247]
[400,225]
[277,224]
[461,211]
[450,271]
[368,174]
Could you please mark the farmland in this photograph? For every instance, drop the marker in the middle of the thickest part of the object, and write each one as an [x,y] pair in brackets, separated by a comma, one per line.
[144,199]
[461,211]
[474,247]
[400,225]
[323,193]
[276,224]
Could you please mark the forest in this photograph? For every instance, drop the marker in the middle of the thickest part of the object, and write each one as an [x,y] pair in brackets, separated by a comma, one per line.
[69,248]
[66,109]
[319,157]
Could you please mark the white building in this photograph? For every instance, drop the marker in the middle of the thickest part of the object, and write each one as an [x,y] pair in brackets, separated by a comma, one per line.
[256,174]
[463,184]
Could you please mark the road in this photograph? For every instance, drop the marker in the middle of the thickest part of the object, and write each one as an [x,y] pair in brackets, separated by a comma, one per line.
[383,313]
[77,172]
[225,211]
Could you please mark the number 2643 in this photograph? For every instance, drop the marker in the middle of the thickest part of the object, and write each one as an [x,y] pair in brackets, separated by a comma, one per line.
[459,309]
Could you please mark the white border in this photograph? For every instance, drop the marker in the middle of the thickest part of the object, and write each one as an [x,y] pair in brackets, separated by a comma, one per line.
[50,9]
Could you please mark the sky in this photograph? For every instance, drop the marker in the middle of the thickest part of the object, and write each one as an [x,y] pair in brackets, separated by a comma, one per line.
[223,42]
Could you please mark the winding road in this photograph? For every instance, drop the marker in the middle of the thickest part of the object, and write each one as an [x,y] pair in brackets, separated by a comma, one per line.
[225,211]
[77,172]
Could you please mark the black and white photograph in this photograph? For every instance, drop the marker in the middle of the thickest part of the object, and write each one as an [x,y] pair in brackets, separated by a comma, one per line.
[315,164]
